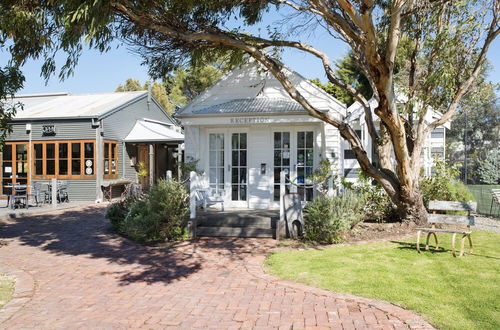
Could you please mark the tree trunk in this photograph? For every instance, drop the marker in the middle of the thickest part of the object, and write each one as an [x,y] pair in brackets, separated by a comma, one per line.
[410,205]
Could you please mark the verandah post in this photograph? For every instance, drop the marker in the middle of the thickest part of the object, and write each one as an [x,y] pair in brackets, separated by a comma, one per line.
[281,228]
[54,192]
[330,191]
[193,177]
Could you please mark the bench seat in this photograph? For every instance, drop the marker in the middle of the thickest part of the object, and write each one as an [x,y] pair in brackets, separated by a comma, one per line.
[451,231]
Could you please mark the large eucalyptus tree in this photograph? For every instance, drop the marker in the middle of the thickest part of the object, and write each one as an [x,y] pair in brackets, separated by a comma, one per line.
[439,45]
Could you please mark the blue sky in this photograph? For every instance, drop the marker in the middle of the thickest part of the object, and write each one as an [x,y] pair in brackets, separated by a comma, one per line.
[98,72]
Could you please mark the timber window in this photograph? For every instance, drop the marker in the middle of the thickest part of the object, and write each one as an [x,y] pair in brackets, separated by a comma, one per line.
[110,160]
[63,159]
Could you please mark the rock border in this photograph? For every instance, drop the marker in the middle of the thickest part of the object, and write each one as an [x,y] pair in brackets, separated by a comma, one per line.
[24,288]
[255,267]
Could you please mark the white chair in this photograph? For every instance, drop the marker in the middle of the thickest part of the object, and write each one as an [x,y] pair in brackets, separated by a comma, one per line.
[206,199]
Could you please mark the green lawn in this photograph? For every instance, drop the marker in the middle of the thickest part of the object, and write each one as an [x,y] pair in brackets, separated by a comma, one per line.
[482,194]
[452,293]
[6,288]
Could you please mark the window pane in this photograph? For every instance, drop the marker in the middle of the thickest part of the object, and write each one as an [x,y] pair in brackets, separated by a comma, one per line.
[7,152]
[243,158]
[106,166]
[63,167]
[243,141]
[38,150]
[7,169]
[106,150]
[75,152]
[89,150]
[50,151]
[63,150]
[286,140]
[113,150]
[38,167]
[75,166]
[309,139]
[234,141]
[277,140]
[51,167]
[113,166]
[300,139]
[21,152]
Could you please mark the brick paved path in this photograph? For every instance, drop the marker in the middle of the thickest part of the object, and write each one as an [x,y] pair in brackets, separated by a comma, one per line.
[85,277]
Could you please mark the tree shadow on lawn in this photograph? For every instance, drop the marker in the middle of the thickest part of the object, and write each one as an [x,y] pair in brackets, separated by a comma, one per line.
[85,232]
[413,246]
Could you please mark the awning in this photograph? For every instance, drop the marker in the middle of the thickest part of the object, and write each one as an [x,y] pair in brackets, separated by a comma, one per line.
[146,130]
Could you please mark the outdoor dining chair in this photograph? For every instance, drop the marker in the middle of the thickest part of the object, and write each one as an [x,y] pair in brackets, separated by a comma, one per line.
[20,196]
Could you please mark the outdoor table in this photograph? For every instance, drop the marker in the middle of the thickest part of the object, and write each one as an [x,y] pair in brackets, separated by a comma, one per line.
[11,195]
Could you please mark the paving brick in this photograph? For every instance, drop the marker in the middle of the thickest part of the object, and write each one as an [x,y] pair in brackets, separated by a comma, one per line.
[87,277]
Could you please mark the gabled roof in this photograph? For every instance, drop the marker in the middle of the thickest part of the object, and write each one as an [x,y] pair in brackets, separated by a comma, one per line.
[250,89]
[62,105]
[355,110]
[147,130]
[256,105]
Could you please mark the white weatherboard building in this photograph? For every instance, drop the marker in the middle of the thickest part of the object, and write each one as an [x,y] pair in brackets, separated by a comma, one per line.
[245,129]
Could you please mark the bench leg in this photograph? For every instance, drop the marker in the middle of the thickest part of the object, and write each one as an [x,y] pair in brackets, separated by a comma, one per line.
[462,245]
[470,244]
[435,239]
[453,244]
[418,240]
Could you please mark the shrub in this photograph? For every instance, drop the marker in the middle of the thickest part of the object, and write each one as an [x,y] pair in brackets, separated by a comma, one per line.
[117,211]
[378,206]
[327,218]
[444,185]
[161,214]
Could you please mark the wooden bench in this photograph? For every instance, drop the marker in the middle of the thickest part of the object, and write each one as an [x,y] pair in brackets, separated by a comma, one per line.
[463,221]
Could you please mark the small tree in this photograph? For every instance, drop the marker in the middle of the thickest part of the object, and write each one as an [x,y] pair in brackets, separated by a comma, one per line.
[489,169]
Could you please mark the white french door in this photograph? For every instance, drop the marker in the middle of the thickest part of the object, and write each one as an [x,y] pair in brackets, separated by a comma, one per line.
[295,152]
[239,169]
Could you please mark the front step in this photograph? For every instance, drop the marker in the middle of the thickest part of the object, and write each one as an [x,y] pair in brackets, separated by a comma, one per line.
[228,221]
[235,232]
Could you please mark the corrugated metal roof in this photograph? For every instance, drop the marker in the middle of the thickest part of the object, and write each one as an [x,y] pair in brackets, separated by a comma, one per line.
[255,105]
[72,106]
[153,131]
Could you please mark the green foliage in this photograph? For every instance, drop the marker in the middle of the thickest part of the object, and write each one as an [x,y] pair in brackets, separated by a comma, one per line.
[142,170]
[444,185]
[157,90]
[161,215]
[489,170]
[378,205]
[116,212]
[327,218]
[348,72]
[11,80]
[479,114]
[321,175]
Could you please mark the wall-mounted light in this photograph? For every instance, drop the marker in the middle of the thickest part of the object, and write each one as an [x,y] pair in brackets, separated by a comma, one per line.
[28,128]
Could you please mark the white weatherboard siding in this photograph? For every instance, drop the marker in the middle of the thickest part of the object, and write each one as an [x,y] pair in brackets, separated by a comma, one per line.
[250,101]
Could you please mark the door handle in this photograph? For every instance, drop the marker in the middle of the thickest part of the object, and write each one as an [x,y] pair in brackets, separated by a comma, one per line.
[228,167]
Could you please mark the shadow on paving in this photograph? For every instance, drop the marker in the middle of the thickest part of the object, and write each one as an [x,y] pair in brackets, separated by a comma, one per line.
[85,232]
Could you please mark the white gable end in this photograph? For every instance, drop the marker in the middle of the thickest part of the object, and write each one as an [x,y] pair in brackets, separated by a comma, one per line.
[250,82]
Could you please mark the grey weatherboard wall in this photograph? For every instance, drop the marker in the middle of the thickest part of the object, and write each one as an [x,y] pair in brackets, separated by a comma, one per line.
[118,124]
[72,129]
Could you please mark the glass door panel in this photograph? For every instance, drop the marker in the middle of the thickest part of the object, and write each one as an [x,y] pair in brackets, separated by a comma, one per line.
[22,163]
[7,169]
[281,161]
[216,162]
[239,167]
[305,163]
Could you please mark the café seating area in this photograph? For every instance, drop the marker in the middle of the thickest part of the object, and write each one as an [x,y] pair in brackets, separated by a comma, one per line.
[38,194]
